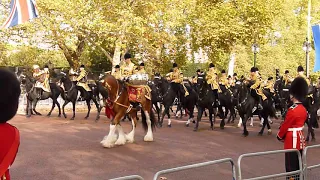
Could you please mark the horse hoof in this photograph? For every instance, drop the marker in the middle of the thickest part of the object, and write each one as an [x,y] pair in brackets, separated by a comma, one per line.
[65,116]
[86,118]
[48,115]
[28,116]
[307,139]
[271,122]
[260,134]
[39,114]
[269,132]
[245,134]
[72,118]
[313,139]
[187,125]
[169,125]
[211,127]
[195,130]
[221,127]
[59,115]
[193,121]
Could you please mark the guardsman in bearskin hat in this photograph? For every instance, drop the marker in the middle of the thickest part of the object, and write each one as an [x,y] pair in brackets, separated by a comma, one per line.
[42,80]
[9,135]
[256,88]
[82,81]
[287,78]
[270,85]
[301,74]
[141,69]
[127,67]
[117,72]
[212,79]
[176,79]
[291,130]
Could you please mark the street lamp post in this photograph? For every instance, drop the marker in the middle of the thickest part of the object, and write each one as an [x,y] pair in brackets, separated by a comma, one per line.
[255,50]
[307,48]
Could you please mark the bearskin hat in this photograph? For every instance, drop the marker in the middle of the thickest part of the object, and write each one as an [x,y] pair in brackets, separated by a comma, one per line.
[46,66]
[141,64]
[299,88]
[174,65]
[270,78]
[300,68]
[223,71]
[211,65]
[171,70]
[127,56]
[286,72]
[229,77]
[82,66]
[253,69]
[198,71]
[117,67]
[235,74]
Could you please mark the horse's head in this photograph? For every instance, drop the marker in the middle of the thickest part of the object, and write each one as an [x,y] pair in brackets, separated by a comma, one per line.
[201,82]
[158,80]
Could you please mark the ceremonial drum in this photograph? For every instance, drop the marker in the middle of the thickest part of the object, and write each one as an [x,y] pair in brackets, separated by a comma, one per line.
[138,79]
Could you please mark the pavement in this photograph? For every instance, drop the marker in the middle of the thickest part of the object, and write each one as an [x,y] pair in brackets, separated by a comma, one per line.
[57,148]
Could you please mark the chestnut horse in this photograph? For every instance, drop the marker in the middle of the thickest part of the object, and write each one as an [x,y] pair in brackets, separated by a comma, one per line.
[118,95]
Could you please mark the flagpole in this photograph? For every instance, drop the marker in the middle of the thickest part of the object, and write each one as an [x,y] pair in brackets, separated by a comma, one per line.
[308,36]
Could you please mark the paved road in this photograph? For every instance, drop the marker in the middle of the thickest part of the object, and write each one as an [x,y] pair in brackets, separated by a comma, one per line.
[55,148]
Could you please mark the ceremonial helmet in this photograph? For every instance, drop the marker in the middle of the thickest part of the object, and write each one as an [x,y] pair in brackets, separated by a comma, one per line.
[223,71]
[256,69]
[253,69]
[174,65]
[270,78]
[141,64]
[35,67]
[117,66]
[82,66]
[299,88]
[46,66]
[171,70]
[211,65]
[127,56]
[198,70]
[300,69]
[286,72]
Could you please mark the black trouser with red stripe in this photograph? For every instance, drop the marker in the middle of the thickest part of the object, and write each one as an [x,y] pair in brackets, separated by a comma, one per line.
[292,163]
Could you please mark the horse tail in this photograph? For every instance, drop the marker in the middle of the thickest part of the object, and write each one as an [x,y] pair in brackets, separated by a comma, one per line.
[152,119]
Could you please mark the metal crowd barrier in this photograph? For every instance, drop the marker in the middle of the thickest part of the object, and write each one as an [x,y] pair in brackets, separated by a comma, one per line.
[156,176]
[287,175]
[132,177]
[310,172]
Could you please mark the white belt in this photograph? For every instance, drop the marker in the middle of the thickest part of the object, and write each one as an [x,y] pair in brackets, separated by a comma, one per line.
[294,136]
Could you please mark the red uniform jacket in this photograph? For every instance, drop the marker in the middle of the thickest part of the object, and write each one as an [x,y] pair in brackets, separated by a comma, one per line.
[291,130]
[9,144]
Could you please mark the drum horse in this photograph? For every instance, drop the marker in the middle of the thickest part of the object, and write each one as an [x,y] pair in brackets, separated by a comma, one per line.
[118,103]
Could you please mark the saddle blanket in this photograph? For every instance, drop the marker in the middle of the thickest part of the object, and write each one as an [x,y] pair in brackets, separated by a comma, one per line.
[137,93]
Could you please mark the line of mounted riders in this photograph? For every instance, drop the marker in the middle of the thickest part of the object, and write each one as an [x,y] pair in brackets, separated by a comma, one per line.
[219,96]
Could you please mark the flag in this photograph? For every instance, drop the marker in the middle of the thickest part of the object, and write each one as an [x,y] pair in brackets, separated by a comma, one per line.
[231,64]
[20,12]
[316,39]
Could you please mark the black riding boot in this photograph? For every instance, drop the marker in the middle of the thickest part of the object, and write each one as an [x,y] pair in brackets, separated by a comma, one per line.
[136,105]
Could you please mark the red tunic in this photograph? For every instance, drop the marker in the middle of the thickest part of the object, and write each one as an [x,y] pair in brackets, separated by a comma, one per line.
[7,139]
[291,131]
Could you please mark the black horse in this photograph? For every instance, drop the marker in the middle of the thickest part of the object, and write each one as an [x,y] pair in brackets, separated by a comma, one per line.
[32,96]
[205,100]
[246,103]
[156,97]
[70,94]
[168,97]
[227,100]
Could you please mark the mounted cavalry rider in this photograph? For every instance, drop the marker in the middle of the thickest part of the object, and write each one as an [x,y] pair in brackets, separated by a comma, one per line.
[176,79]
[82,81]
[73,75]
[117,72]
[256,88]
[270,85]
[287,78]
[301,74]
[141,69]
[195,78]
[127,68]
[223,81]
[42,80]
[291,130]
[212,79]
